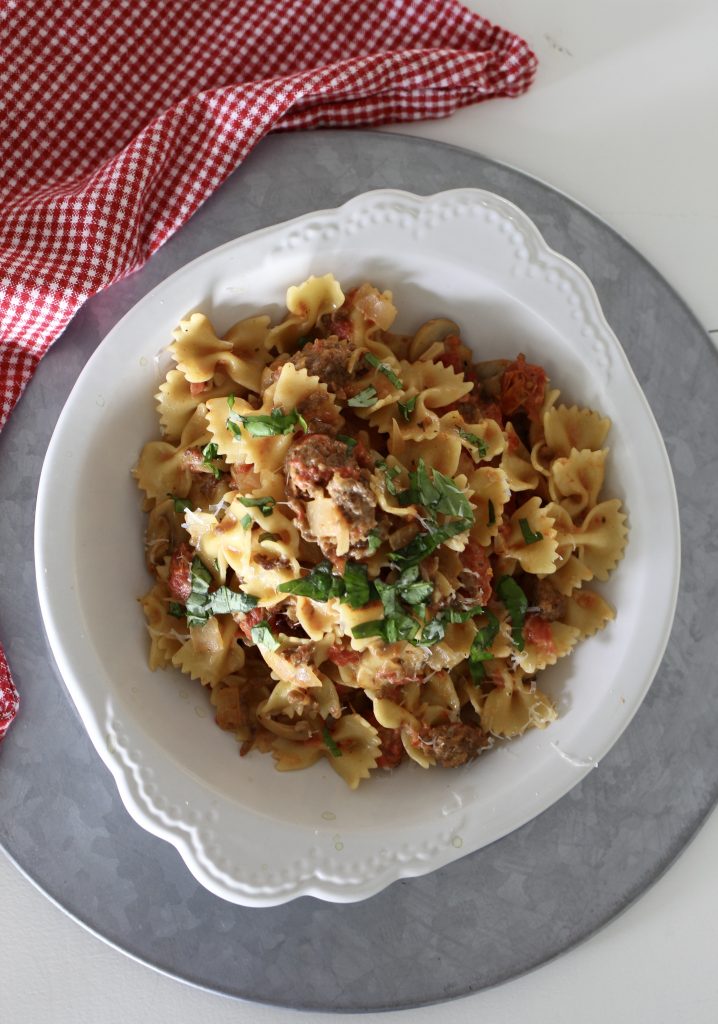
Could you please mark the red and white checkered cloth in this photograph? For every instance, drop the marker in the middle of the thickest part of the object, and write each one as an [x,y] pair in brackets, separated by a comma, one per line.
[120,117]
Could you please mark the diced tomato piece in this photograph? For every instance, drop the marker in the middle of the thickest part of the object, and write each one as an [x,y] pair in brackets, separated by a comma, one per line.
[392,749]
[251,619]
[523,387]
[538,632]
[197,389]
[179,580]
[341,655]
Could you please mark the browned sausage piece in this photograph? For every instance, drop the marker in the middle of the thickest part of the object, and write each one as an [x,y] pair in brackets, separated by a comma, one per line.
[179,580]
[328,359]
[452,744]
[318,466]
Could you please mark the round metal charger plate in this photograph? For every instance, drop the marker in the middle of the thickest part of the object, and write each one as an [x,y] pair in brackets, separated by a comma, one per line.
[491,915]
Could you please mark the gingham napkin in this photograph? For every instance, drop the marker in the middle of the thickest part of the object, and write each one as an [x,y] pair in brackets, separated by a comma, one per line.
[118,118]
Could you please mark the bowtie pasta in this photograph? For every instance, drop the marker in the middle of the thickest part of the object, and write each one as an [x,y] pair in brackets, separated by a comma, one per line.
[366,544]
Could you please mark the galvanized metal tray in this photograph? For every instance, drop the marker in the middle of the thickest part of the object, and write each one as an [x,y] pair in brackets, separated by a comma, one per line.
[491,915]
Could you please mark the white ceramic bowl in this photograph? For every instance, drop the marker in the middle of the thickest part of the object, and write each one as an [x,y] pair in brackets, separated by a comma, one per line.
[248,833]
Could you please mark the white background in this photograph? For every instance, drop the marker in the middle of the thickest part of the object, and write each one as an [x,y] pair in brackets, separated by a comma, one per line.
[624,118]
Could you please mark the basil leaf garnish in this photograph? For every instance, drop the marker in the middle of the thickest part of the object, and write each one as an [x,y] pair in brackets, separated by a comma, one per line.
[330,742]
[528,534]
[364,399]
[407,408]
[383,368]
[356,583]
[476,442]
[516,603]
[264,504]
[263,636]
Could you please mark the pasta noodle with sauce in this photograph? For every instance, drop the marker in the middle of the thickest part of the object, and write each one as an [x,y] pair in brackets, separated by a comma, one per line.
[366,544]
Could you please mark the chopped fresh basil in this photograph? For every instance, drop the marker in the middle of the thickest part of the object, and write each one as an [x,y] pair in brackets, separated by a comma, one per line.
[373,541]
[277,422]
[425,543]
[233,427]
[264,504]
[230,401]
[350,442]
[420,491]
[224,601]
[453,501]
[330,743]
[528,534]
[209,454]
[246,521]
[356,583]
[492,514]
[461,614]
[407,408]
[390,474]
[476,442]
[516,603]
[479,651]
[319,585]
[432,633]
[175,609]
[364,399]
[441,495]
[180,504]
[435,630]
[263,636]
[383,368]
[196,604]
[391,628]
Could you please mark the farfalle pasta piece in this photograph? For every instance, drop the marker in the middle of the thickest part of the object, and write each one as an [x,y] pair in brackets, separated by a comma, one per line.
[587,612]
[570,427]
[306,303]
[354,749]
[575,480]
[531,538]
[199,353]
[570,575]
[165,639]
[176,401]
[508,713]
[162,468]
[442,451]
[544,643]
[516,463]
[211,653]
[293,756]
[490,493]
[435,386]
[601,539]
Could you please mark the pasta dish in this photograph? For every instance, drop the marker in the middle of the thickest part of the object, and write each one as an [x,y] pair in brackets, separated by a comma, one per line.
[367,544]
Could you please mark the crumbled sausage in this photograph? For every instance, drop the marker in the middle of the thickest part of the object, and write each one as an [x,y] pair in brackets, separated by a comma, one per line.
[476,574]
[321,413]
[179,580]
[452,744]
[328,359]
[318,466]
[542,595]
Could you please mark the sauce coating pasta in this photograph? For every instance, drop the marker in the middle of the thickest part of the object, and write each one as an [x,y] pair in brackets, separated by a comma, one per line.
[367,544]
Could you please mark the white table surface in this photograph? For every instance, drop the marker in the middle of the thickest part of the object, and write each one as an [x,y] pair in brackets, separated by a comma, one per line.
[624,118]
